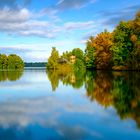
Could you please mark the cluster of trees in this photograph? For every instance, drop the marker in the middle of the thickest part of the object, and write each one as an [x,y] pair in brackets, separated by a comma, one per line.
[57,61]
[118,50]
[11,62]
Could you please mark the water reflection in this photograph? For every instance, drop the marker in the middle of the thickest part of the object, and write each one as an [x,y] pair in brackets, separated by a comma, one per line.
[118,89]
[126,94]
[75,79]
[101,88]
[86,105]
[10,75]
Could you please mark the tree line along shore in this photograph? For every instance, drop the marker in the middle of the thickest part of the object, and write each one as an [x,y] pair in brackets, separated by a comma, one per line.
[116,50]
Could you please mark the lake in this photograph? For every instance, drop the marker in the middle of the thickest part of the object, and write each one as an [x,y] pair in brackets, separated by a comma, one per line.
[40,105]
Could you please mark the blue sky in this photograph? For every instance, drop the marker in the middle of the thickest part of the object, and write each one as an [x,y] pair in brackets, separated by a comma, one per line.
[30,28]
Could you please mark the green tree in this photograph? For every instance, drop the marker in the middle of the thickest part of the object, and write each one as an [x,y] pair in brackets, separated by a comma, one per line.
[15,62]
[53,59]
[66,55]
[78,53]
[3,61]
[89,53]
[79,64]
[136,24]
[134,56]
[122,44]
[126,48]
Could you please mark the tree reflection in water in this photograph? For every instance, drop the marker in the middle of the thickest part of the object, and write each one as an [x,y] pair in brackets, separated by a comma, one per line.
[10,75]
[75,79]
[118,89]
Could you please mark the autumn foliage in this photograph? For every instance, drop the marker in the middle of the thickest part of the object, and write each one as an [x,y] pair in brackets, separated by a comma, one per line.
[119,50]
[102,43]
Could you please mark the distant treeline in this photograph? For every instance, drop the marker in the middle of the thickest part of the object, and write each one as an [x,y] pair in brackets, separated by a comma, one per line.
[35,64]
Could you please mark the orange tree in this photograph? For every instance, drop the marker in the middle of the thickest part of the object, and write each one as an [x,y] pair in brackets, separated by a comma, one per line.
[102,43]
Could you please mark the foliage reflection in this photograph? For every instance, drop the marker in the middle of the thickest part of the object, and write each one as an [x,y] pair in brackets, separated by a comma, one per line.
[10,75]
[75,79]
[117,89]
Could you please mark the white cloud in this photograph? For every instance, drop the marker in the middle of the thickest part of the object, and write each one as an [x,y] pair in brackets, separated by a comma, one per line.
[10,16]
[51,13]
[59,2]
[79,25]
[26,23]
[22,23]
[71,4]
[40,33]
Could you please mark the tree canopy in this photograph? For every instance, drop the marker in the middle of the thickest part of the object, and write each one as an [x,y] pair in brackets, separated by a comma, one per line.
[117,50]
[53,59]
[11,62]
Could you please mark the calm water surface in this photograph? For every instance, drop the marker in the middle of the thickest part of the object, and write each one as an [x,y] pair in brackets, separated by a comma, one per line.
[40,105]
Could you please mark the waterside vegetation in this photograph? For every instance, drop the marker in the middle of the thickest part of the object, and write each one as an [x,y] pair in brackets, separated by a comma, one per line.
[117,50]
[11,62]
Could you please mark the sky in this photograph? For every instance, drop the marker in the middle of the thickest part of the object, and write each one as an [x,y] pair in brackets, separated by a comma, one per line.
[30,28]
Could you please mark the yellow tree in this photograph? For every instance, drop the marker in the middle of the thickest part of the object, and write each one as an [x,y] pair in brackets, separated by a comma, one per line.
[53,59]
[102,43]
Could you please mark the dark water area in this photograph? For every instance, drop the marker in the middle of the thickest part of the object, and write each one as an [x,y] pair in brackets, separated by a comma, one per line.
[40,105]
